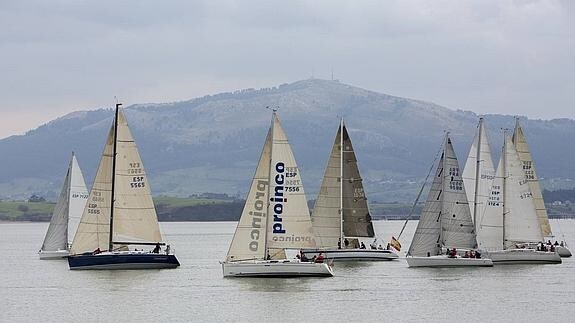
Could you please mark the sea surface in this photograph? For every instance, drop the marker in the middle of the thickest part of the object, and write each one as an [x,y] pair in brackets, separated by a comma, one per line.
[33,290]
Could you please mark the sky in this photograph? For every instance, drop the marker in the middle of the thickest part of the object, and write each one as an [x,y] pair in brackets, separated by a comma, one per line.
[59,56]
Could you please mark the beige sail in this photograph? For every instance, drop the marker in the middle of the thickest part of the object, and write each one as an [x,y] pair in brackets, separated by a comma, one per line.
[134,216]
[94,228]
[529,168]
[289,224]
[326,217]
[249,238]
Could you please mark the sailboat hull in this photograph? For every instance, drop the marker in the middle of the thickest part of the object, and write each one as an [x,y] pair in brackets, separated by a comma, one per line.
[279,269]
[563,252]
[352,254]
[445,261]
[523,256]
[52,255]
[122,260]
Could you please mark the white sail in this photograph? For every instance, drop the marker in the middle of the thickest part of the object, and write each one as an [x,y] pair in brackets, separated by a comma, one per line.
[482,170]
[57,235]
[134,215]
[426,239]
[326,217]
[289,224]
[249,238]
[520,221]
[457,227]
[78,195]
[529,168]
[490,228]
[135,218]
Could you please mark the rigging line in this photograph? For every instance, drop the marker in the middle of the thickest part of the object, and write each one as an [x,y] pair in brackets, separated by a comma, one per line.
[420,191]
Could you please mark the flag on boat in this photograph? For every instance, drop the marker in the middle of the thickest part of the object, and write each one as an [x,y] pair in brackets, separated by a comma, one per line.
[395,244]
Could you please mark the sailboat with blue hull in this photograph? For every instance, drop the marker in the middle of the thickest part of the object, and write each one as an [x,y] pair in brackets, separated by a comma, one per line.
[120,215]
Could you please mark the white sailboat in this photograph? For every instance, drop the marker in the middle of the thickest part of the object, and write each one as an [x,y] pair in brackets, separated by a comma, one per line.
[522,147]
[66,214]
[341,214]
[275,218]
[120,212]
[509,219]
[445,221]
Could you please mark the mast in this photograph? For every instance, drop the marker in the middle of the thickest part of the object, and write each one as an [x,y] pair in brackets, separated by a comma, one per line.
[69,182]
[442,187]
[266,252]
[341,182]
[504,173]
[110,241]
[477,164]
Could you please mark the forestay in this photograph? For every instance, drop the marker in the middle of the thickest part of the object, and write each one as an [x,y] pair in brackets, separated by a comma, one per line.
[478,174]
[249,238]
[529,168]
[56,236]
[326,216]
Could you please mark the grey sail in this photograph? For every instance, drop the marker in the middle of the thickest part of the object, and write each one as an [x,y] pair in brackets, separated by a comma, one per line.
[446,219]
[427,234]
[356,217]
[341,206]
[457,229]
[57,235]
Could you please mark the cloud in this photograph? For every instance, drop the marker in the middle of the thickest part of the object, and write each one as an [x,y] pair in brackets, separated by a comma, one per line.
[510,57]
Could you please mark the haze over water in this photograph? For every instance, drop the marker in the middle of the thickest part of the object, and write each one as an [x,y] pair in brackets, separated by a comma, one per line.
[32,290]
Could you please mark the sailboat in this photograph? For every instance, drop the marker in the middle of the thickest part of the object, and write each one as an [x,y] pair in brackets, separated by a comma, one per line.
[66,214]
[275,218]
[120,212]
[529,168]
[509,220]
[445,221]
[341,214]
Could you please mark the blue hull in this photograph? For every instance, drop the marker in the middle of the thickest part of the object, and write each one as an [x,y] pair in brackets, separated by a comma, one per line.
[122,261]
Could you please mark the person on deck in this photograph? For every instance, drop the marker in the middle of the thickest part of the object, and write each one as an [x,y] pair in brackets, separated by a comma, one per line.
[373,245]
[362,246]
[157,248]
[556,243]
[339,243]
[346,243]
[319,258]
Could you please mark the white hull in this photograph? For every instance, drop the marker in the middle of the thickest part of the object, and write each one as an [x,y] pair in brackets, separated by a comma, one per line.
[272,268]
[352,254]
[523,256]
[53,255]
[445,261]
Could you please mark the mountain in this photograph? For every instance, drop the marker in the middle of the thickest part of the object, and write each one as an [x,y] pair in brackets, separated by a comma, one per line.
[212,143]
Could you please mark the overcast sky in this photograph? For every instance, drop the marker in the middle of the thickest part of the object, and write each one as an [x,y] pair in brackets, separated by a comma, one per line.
[512,57]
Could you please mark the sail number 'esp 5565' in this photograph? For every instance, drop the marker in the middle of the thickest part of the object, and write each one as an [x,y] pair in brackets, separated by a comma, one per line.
[136,181]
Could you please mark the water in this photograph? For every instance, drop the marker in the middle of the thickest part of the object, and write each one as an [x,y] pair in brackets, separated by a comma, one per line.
[32,290]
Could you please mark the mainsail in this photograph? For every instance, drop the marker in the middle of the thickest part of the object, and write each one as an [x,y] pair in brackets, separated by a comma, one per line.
[478,173]
[120,190]
[445,219]
[341,207]
[529,168]
[70,204]
[284,222]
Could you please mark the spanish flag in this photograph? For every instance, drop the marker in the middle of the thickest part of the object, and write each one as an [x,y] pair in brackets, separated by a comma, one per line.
[395,244]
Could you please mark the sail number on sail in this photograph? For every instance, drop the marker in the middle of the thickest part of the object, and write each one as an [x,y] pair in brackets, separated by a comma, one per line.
[137,181]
